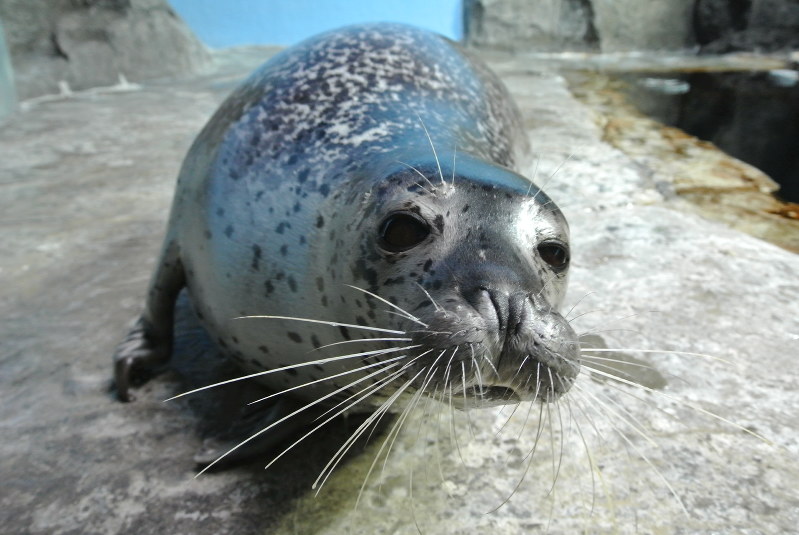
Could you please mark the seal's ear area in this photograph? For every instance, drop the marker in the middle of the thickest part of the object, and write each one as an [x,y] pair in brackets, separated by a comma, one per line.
[555,254]
[401,231]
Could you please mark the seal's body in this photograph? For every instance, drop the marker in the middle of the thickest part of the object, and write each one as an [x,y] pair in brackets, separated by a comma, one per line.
[364,178]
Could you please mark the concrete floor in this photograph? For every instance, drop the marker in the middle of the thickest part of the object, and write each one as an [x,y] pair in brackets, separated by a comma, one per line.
[85,185]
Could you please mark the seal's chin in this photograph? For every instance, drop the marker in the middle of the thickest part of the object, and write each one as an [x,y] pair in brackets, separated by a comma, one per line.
[488,396]
[492,395]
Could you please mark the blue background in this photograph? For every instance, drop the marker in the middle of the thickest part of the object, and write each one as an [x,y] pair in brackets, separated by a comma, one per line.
[221,23]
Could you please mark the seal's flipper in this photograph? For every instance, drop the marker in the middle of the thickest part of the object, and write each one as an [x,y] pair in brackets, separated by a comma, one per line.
[251,420]
[149,342]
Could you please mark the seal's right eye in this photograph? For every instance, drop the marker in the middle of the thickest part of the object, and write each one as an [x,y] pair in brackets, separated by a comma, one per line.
[402,231]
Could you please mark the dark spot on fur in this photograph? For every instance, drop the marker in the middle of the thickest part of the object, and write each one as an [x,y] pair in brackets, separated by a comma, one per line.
[324,190]
[256,257]
[320,221]
[235,340]
[291,371]
[294,337]
[259,194]
[281,228]
[284,249]
[360,320]
[318,367]
[320,284]
[324,301]
[315,342]
[302,176]
[229,231]
[208,234]
[263,349]
[428,264]
[345,333]
[296,207]
[292,284]
[220,212]
[269,287]
[292,159]
[438,221]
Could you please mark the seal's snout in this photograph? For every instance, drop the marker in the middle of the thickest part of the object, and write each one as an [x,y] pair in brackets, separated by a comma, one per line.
[497,346]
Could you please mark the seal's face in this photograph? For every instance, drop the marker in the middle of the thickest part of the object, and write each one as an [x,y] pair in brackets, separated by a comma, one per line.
[478,261]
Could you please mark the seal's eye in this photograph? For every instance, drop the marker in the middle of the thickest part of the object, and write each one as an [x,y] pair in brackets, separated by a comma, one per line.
[555,254]
[402,231]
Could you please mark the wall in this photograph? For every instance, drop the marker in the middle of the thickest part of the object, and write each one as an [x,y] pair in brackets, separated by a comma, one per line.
[283,22]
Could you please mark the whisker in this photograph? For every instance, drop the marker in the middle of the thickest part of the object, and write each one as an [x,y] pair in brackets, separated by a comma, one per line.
[686,404]
[402,311]
[323,322]
[665,352]
[531,454]
[315,381]
[575,305]
[631,421]
[291,367]
[375,417]
[435,305]
[273,424]
[421,175]
[333,417]
[454,155]
[432,146]
[360,340]
[385,441]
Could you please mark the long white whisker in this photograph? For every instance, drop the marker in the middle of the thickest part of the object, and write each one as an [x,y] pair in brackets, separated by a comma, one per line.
[389,303]
[665,352]
[361,340]
[432,146]
[329,419]
[420,174]
[294,413]
[315,381]
[566,315]
[385,441]
[323,322]
[375,418]
[685,404]
[293,366]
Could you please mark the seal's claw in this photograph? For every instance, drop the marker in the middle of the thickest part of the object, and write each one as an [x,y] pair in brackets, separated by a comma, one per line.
[135,353]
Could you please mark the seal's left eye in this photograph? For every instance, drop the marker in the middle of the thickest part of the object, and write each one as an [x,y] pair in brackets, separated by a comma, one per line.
[402,231]
[555,254]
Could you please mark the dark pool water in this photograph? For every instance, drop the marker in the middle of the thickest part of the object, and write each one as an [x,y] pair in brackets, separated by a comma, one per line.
[751,115]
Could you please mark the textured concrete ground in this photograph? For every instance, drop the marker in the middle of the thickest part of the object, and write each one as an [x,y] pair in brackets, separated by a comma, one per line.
[85,184]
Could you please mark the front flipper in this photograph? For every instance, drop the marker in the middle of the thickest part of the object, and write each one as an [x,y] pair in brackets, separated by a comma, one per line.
[149,342]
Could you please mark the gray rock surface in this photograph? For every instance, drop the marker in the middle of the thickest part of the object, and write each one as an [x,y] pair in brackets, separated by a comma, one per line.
[628,25]
[548,25]
[89,43]
[758,25]
[85,184]
[718,26]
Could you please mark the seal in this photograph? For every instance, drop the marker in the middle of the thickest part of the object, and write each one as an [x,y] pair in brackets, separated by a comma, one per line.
[352,229]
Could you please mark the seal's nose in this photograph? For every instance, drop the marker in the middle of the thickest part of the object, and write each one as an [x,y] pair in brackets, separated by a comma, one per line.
[504,309]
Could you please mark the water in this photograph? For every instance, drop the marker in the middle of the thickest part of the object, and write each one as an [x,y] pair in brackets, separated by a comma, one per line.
[752,115]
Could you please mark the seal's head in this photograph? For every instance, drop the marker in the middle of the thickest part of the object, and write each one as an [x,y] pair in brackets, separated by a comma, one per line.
[477,258]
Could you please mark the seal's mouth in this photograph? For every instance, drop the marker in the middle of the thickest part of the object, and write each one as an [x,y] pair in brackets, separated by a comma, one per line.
[490,396]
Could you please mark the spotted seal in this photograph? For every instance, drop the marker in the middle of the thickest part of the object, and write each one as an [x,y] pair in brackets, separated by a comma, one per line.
[350,229]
